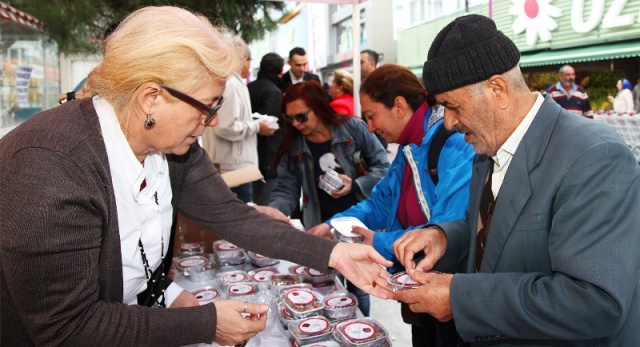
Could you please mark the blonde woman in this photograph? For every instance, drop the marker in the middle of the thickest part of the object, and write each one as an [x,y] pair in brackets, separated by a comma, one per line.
[341,91]
[91,189]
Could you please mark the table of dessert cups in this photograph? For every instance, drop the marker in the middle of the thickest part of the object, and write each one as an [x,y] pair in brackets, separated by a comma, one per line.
[213,286]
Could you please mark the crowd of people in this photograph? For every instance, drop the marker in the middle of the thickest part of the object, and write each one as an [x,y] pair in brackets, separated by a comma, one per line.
[516,216]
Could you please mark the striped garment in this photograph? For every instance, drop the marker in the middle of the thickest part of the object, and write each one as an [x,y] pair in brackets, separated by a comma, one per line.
[577,102]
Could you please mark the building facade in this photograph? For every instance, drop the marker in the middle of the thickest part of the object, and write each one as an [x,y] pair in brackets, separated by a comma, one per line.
[599,38]
[30,73]
[325,32]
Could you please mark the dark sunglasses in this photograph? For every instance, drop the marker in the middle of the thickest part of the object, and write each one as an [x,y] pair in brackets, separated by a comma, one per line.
[210,111]
[300,117]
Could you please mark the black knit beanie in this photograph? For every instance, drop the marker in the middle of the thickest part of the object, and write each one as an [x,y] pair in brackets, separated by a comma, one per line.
[468,50]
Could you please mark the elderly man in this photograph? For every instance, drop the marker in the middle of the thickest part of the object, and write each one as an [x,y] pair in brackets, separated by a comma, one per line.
[552,226]
[568,94]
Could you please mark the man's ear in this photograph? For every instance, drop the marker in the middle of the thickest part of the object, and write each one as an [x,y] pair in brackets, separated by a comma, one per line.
[499,90]
[147,96]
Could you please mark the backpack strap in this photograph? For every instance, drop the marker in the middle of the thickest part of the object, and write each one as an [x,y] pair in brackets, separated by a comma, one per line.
[441,136]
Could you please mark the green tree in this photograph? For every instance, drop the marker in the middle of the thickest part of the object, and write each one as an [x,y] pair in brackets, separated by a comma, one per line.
[78,25]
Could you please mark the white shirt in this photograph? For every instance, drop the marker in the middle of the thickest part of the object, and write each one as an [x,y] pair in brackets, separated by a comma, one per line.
[502,159]
[145,214]
[295,80]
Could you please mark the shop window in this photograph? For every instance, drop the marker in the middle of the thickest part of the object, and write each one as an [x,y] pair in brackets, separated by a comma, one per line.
[29,75]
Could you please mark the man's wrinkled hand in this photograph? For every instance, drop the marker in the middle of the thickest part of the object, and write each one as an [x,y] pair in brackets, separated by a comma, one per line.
[432,241]
[432,297]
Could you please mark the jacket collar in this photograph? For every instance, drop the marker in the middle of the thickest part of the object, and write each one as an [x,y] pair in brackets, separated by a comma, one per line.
[516,188]
[339,134]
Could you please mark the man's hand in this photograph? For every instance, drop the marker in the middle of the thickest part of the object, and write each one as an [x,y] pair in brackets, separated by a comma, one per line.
[366,233]
[265,128]
[321,230]
[432,241]
[363,266]
[184,299]
[432,297]
[232,328]
[272,212]
[344,190]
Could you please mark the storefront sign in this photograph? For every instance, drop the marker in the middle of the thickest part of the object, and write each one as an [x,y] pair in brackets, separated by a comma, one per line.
[613,17]
[538,17]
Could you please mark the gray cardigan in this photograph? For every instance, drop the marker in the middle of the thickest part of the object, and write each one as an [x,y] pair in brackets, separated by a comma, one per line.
[60,261]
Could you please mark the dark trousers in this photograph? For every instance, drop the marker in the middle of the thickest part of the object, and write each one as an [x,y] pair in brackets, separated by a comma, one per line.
[437,334]
[426,331]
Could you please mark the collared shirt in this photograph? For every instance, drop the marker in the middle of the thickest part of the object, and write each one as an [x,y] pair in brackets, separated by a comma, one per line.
[294,79]
[502,159]
[144,215]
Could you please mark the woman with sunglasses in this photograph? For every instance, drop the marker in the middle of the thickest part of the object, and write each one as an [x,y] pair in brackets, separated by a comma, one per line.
[90,191]
[317,139]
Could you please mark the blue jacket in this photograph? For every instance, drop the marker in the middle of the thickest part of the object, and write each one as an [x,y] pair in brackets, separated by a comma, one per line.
[346,139]
[448,201]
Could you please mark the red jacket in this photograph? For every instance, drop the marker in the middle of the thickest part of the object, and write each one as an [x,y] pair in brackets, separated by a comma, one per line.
[343,104]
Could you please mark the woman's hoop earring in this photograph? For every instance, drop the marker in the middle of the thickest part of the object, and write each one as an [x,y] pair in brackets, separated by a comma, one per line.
[149,123]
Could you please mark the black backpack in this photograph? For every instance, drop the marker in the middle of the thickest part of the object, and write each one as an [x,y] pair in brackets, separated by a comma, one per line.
[435,148]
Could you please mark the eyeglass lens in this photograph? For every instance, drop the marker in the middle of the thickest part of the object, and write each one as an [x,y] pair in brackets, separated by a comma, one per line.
[300,117]
[211,111]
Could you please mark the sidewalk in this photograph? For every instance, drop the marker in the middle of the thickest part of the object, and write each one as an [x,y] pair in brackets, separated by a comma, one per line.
[387,312]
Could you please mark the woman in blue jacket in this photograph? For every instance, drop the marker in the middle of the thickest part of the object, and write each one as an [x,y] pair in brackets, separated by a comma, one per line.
[395,105]
[316,139]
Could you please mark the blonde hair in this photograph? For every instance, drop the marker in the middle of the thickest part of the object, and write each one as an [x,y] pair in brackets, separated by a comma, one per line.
[343,79]
[166,44]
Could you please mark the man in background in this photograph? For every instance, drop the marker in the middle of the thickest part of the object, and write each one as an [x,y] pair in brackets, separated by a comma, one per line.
[231,144]
[568,94]
[266,97]
[298,62]
[368,62]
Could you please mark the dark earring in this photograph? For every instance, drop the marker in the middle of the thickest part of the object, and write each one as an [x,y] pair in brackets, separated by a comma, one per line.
[149,123]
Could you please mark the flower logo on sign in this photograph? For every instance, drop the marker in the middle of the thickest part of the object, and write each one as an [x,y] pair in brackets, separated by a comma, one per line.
[536,17]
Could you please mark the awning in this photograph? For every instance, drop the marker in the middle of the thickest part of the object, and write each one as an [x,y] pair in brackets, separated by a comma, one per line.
[582,54]
[12,14]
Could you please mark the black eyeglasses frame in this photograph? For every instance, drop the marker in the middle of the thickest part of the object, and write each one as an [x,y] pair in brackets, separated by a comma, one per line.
[301,117]
[210,111]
